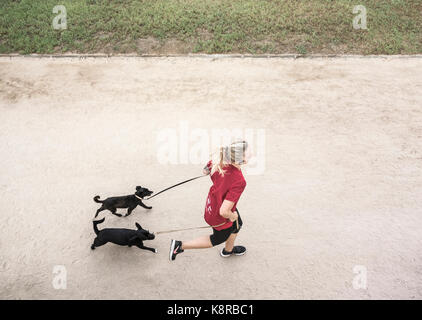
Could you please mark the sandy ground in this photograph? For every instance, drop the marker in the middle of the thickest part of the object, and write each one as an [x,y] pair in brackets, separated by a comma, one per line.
[342,186]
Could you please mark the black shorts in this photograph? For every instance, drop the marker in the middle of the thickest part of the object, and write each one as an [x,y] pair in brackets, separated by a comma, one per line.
[220,236]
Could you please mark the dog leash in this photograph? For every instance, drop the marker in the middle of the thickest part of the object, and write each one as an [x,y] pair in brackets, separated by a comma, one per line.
[194,228]
[204,175]
[204,227]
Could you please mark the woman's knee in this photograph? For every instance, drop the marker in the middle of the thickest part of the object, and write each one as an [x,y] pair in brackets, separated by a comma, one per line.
[215,241]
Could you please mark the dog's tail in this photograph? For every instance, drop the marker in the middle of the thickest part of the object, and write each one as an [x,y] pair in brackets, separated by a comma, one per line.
[96,199]
[95,222]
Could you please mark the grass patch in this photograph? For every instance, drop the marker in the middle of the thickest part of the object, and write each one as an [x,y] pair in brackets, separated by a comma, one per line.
[211,26]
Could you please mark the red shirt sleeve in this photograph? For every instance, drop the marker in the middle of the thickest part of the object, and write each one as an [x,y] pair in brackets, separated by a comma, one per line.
[236,190]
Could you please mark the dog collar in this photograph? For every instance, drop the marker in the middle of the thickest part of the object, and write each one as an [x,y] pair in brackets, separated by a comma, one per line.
[138,197]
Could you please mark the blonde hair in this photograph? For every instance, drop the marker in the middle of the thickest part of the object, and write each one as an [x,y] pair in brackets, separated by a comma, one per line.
[226,155]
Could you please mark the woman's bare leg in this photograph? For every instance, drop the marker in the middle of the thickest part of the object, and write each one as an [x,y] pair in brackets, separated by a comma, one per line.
[230,242]
[198,243]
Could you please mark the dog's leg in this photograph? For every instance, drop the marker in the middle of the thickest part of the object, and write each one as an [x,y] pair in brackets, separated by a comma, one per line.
[129,211]
[99,210]
[132,241]
[147,248]
[144,206]
[113,211]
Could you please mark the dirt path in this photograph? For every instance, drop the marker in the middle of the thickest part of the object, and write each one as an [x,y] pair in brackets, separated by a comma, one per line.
[341,190]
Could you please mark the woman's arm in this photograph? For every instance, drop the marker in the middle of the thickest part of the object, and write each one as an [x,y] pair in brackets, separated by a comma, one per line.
[226,210]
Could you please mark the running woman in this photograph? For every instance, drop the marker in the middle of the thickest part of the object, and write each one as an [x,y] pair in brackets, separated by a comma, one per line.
[220,209]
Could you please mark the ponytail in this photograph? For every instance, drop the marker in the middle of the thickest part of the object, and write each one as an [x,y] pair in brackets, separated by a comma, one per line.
[218,161]
[227,155]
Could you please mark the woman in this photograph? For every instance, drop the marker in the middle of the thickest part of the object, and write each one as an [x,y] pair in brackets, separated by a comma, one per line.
[220,208]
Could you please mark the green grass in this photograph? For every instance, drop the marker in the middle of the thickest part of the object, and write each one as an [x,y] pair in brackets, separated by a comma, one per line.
[211,26]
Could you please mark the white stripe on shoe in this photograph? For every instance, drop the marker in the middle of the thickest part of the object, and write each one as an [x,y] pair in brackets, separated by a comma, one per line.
[225,255]
[173,243]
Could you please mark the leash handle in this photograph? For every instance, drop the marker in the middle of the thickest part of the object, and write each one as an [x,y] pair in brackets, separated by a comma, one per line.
[175,186]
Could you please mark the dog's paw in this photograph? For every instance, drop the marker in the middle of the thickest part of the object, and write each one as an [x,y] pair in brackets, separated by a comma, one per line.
[149,207]
[118,214]
[155,250]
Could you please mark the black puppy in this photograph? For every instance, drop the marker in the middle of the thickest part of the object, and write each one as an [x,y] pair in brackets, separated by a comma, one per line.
[129,202]
[122,237]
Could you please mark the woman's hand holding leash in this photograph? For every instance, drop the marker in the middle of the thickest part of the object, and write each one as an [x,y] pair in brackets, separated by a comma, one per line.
[234,217]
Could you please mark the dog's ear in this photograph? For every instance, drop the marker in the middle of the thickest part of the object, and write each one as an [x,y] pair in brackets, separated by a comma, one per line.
[138,188]
[138,226]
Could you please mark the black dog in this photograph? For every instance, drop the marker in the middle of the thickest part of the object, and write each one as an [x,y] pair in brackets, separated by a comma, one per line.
[129,202]
[122,237]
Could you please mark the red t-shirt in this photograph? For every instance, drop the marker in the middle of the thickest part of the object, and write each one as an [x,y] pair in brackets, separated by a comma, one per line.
[227,187]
